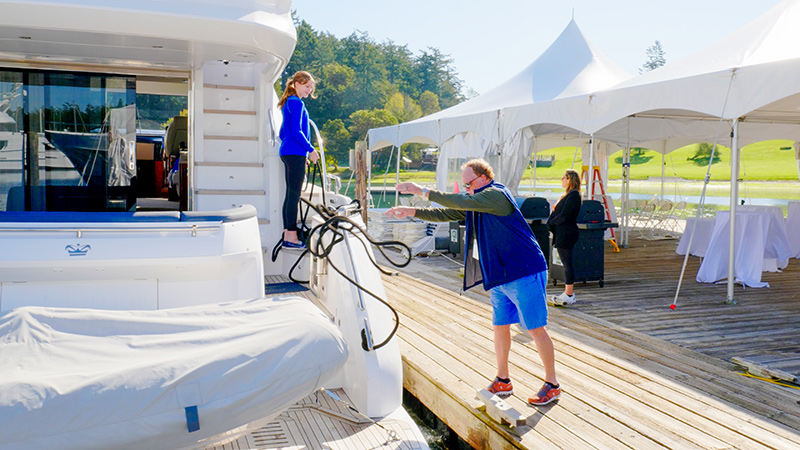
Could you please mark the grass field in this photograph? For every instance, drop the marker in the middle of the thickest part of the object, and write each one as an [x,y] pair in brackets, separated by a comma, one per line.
[766,161]
[767,170]
[762,161]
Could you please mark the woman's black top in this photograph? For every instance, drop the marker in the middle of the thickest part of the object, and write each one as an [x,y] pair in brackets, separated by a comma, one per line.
[562,221]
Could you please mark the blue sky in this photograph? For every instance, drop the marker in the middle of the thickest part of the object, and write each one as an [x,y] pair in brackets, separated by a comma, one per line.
[489,42]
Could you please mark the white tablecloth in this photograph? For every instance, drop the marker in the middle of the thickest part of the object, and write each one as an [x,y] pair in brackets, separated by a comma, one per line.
[702,236]
[770,264]
[759,235]
[774,210]
[793,227]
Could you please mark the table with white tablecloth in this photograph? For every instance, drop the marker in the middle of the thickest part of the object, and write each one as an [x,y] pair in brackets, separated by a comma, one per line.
[701,238]
[793,226]
[774,210]
[759,235]
[770,264]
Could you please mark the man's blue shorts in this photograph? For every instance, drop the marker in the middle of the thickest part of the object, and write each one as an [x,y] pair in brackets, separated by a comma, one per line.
[524,297]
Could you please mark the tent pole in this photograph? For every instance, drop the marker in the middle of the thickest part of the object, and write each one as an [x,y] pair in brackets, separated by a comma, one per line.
[797,157]
[589,174]
[626,184]
[623,204]
[397,178]
[386,174]
[626,193]
[369,177]
[734,200]
[703,195]
[534,168]
[663,162]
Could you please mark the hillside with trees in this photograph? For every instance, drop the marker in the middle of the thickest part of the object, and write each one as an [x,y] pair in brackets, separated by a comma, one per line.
[363,84]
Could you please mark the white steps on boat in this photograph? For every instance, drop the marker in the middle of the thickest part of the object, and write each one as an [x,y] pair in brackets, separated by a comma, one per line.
[236,155]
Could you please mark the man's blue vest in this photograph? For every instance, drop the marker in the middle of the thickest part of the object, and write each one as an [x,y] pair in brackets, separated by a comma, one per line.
[507,249]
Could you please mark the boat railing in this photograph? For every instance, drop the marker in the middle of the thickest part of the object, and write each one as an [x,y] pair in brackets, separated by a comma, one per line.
[80,231]
[337,182]
[115,222]
[323,165]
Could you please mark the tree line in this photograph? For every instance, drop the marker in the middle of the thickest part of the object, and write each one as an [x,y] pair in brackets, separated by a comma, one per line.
[363,84]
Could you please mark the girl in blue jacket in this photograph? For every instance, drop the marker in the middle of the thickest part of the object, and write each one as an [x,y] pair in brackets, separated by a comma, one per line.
[295,150]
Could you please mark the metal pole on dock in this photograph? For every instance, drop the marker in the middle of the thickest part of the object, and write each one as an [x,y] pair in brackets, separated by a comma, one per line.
[734,200]
[397,179]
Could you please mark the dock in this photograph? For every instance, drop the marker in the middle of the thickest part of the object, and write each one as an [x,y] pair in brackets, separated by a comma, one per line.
[635,373]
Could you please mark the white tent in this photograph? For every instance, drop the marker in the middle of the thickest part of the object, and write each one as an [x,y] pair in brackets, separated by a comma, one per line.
[751,74]
[745,84]
[571,66]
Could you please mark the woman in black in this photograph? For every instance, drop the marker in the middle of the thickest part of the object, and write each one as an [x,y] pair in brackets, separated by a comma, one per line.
[562,224]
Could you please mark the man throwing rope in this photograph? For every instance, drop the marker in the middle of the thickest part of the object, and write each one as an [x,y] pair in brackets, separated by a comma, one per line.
[501,252]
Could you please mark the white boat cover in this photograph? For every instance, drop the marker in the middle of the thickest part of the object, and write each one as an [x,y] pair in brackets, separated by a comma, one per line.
[97,379]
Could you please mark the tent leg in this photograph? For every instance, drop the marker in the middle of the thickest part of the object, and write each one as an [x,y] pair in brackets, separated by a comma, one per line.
[734,200]
[663,165]
[533,194]
[626,193]
[589,173]
[397,179]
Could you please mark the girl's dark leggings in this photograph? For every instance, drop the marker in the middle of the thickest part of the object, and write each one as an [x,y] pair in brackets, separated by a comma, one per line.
[294,167]
[566,259]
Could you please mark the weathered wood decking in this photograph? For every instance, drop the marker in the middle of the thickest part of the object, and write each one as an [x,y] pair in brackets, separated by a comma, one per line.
[635,373]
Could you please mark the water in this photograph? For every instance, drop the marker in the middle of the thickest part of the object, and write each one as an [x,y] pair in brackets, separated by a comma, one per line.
[437,434]
[386,200]
[555,191]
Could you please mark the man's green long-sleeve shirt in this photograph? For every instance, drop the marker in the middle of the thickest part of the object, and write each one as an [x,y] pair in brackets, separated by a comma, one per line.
[491,200]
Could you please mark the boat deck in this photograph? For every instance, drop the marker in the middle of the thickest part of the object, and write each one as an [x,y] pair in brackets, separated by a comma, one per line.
[635,373]
[321,422]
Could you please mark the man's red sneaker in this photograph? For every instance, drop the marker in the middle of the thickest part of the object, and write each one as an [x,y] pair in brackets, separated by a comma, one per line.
[546,394]
[500,389]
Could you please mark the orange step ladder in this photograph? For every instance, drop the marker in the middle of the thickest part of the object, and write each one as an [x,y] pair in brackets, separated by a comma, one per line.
[597,179]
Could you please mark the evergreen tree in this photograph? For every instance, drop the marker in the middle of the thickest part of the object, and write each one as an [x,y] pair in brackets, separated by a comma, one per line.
[362,84]
[437,75]
[655,58]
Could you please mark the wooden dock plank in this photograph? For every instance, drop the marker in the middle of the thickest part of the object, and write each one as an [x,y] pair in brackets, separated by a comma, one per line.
[482,357]
[608,384]
[480,345]
[632,374]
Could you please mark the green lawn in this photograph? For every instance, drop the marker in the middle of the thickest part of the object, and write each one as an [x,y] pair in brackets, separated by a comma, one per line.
[765,161]
[768,161]
[767,170]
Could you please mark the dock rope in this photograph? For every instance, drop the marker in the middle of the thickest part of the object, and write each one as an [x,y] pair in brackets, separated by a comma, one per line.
[337,225]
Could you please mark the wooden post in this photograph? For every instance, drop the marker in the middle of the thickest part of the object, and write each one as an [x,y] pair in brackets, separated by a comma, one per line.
[33,158]
[361,177]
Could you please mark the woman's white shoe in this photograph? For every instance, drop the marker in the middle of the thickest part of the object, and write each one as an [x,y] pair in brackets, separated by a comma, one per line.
[561,300]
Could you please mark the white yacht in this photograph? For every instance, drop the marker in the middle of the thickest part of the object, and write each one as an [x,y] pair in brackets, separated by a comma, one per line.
[133,311]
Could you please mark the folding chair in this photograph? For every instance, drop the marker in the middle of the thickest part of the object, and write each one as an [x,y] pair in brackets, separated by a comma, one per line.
[656,228]
[678,212]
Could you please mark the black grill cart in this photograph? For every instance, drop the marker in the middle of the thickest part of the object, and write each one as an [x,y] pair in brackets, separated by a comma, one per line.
[588,257]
